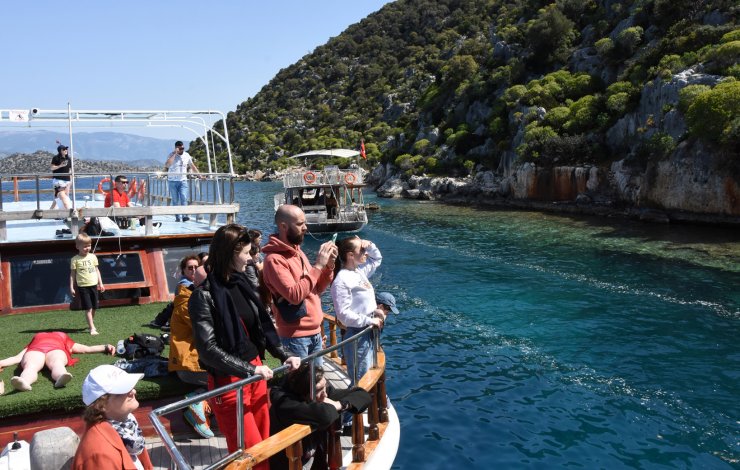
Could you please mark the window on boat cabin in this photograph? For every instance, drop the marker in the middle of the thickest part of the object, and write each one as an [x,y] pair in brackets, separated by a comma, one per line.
[39,280]
[120,268]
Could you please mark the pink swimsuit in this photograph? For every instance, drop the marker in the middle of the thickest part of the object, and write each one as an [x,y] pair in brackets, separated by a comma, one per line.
[51,341]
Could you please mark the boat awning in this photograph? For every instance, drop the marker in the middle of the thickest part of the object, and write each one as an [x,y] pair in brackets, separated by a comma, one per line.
[343,153]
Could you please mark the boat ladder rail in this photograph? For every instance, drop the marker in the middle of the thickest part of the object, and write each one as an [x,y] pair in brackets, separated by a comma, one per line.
[290,438]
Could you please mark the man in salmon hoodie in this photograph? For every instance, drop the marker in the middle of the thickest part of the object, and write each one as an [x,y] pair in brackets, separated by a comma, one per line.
[295,284]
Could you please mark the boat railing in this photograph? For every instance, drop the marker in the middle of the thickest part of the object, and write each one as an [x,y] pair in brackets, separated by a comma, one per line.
[325,177]
[290,438]
[211,195]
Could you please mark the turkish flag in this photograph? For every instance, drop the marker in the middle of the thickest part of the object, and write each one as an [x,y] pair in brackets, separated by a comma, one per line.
[362,149]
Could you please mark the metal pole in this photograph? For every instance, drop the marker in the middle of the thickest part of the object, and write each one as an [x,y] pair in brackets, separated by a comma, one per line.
[71,156]
[376,346]
[228,145]
[240,417]
[312,369]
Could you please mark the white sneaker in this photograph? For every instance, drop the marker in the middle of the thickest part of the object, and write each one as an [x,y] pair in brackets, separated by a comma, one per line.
[63,380]
[19,384]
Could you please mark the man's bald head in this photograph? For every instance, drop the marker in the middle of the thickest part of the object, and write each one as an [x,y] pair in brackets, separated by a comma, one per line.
[287,213]
[291,224]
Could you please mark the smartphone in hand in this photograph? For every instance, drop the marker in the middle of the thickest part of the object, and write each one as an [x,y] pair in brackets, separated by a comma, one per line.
[334,238]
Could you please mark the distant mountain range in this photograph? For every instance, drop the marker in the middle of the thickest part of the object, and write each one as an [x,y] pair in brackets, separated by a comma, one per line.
[132,149]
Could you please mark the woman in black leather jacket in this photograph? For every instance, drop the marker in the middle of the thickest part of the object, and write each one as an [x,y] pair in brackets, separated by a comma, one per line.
[232,329]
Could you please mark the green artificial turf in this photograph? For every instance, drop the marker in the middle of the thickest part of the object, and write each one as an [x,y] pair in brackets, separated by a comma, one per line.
[113,323]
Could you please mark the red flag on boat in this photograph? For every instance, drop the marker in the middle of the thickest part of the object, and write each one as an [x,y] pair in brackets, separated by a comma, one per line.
[362,149]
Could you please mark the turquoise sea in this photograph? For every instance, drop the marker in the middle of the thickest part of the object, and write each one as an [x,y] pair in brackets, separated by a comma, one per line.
[531,340]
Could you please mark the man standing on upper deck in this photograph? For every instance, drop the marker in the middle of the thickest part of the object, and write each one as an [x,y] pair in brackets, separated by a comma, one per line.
[294,284]
[177,165]
[60,165]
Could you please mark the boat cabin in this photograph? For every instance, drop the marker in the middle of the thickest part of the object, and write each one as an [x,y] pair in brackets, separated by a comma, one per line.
[139,247]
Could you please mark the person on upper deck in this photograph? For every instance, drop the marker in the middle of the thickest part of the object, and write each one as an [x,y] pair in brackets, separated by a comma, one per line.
[177,165]
[60,166]
[295,284]
[118,196]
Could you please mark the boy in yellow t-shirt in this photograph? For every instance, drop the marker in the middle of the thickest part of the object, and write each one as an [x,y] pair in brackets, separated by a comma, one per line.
[84,272]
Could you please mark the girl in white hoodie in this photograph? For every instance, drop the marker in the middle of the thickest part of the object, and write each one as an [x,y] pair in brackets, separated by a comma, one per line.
[354,299]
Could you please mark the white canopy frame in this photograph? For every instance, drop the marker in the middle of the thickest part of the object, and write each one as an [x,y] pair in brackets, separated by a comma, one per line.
[196,122]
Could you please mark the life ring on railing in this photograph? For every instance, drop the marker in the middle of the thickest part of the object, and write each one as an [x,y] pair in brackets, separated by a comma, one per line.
[309,177]
[132,188]
[100,185]
[350,178]
[142,190]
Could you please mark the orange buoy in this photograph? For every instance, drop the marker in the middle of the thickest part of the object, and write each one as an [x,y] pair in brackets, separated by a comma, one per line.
[309,177]
[132,188]
[100,185]
[142,190]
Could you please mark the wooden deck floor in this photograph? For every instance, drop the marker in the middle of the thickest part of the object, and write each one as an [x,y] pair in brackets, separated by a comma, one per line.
[200,452]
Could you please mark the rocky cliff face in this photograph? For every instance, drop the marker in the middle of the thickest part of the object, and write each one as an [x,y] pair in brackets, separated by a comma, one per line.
[692,182]
[686,187]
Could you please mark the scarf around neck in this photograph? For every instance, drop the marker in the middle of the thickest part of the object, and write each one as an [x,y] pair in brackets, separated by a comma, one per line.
[234,336]
[130,434]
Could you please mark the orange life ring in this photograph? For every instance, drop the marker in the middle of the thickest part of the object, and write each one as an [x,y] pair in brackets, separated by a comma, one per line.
[309,177]
[132,188]
[142,190]
[349,178]
[100,185]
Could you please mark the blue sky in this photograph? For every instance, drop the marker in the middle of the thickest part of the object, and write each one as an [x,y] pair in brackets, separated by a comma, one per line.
[135,54]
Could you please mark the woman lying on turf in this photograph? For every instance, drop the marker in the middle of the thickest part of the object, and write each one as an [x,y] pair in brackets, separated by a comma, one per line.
[54,350]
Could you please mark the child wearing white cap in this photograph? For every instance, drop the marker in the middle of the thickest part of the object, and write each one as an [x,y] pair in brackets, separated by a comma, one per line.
[113,438]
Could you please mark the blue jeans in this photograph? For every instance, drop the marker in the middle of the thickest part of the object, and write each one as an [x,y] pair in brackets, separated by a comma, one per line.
[364,347]
[304,346]
[178,193]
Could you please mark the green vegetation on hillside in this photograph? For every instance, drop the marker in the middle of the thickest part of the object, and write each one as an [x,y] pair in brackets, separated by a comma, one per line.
[442,86]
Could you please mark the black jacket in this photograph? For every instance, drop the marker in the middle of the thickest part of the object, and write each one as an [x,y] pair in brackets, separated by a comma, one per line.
[287,409]
[212,355]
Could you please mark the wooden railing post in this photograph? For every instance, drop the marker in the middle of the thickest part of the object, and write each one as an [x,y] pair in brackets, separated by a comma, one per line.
[16,196]
[295,455]
[372,416]
[382,399]
[333,338]
[358,438]
[334,445]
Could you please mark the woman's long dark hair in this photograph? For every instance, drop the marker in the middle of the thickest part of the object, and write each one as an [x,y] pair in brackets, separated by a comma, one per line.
[227,241]
[254,234]
[345,245]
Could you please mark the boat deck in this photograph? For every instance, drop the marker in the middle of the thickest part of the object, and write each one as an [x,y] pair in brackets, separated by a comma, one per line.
[201,452]
[29,230]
